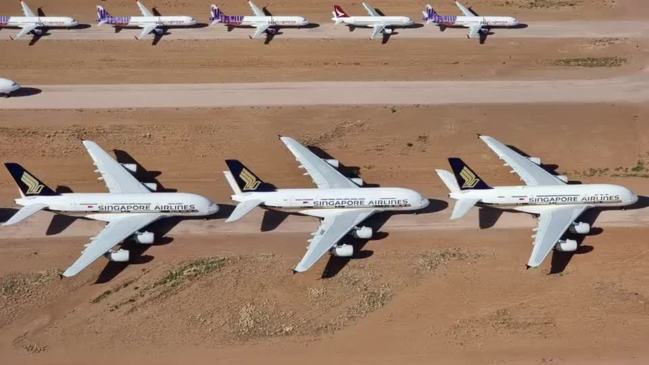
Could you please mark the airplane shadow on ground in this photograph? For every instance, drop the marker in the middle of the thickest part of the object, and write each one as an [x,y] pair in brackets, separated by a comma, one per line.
[6,213]
[25,91]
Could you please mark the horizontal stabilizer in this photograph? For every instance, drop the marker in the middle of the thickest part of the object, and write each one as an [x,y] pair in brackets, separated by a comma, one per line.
[462,207]
[24,213]
[449,180]
[242,209]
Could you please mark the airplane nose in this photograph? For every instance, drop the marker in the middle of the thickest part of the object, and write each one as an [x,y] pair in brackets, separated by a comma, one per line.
[634,198]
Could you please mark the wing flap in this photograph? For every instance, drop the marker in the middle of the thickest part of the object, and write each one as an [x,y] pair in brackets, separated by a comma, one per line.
[115,232]
[331,230]
[553,223]
[116,177]
[323,174]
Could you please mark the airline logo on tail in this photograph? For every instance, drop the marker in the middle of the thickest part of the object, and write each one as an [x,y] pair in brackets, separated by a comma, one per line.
[251,181]
[339,12]
[33,186]
[430,15]
[470,180]
[4,20]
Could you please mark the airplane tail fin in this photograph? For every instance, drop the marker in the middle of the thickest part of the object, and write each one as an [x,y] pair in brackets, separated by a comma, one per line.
[466,178]
[215,14]
[102,15]
[339,13]
[242,180]
[28,185]
[429,13]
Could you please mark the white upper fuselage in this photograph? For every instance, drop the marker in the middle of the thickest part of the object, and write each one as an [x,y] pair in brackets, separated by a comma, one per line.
[40,21]
[532,199]
[369,21]
[468,21]
[170,204]
[368,198]
[160,21]
[8,86]
[273,21]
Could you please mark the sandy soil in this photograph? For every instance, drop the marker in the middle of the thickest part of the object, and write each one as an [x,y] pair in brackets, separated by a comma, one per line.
[319,11]
[236,61]
[458,296]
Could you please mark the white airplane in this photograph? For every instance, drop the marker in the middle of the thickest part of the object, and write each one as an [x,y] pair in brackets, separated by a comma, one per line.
[380,24]
[7,87]
[262,21]
[476,24]
[338,201]
[129,206]
[557,204]
[36,24]
[149,22]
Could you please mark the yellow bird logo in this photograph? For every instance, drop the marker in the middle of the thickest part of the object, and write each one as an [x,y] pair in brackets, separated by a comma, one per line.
[251,181]
[470,180]
[33,186]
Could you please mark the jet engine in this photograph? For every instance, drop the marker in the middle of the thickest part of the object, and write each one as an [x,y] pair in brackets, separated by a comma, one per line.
[342,251]
[566,246]
[130,167]
[563,178]
[580,228]
[158,31]
[358,181]
[120,255]
[144,238]
[388,30]
[333,162]
[364,233]
[536,160]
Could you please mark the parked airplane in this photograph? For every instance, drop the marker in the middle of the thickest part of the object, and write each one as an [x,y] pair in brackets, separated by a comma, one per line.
[262,20]
[477,24]
[129,207]
[557,204]
[338,201]
[36,24]
[150,22]
[7,87]
[379,23]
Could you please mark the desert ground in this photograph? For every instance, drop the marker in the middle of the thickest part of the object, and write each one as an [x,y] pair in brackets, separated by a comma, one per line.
[424,289]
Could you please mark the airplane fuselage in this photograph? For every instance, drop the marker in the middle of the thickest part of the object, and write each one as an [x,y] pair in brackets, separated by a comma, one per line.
[144,21]
[40,21]
[372,198]
[369,21]
[183,204]
[273,21]
[468,21]
[532,199]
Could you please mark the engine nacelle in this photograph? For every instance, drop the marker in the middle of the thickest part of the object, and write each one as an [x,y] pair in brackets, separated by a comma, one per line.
[144,238]
[358,181]
[364,233]
[566,246]
[158,31]
[333,162]
[120,255]
[151,186]
[580,228]
[536,160]
[388,30]
[130,167]
[563,178]
[342,251]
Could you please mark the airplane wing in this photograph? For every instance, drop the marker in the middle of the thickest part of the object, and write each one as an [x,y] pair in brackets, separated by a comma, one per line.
[144,10]
[261,28]
[256,10]
[323,174]
[25,30]
[466,11]
[474,30]
[331,230]
[146,30]
[370,10]
[117,230]
[552,225]
[26,10]
[116,177]
[530,173]
[378,29]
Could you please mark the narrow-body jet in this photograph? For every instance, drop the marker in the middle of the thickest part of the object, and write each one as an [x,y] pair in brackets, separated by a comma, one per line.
[478,25]
[35,23]
[379,23]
